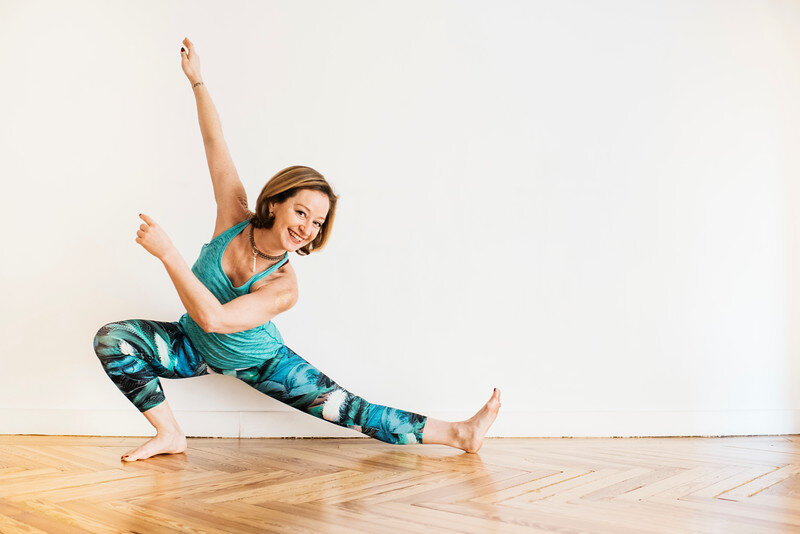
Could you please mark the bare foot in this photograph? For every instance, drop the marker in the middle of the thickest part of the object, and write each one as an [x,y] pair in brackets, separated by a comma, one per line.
[472,431]
[159,444]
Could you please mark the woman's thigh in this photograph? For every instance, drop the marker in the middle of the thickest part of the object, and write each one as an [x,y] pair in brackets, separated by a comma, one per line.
[136,352]
[162,345]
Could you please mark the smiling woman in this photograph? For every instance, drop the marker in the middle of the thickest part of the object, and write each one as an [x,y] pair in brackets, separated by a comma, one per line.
[240,281]
[309,215]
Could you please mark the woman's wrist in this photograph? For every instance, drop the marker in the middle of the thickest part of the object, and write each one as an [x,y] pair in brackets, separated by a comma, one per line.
[171,256]
[196,83]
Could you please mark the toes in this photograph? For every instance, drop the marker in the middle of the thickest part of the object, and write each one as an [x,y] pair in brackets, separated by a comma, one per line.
[132,455]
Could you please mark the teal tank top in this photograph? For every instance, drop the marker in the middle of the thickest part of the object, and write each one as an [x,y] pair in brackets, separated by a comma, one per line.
[238,350]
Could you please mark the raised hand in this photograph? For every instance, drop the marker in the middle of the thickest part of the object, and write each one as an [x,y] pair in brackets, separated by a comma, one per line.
[153,238]
[190,62]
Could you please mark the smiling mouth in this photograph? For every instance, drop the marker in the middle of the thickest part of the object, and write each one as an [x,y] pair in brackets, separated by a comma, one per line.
[295,237]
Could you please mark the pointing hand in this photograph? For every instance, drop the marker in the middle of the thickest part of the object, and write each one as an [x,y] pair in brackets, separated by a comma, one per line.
[153,238]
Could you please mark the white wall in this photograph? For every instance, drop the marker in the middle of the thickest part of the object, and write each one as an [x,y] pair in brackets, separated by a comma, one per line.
[592,206]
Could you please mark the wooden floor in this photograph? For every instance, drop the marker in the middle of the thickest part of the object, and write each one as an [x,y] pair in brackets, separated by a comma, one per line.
[67,484]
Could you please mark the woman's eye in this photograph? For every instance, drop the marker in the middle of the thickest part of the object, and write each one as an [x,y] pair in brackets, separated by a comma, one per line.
[301,213]
[319,225]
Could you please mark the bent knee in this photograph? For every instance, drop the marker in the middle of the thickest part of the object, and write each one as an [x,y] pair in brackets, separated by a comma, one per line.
[106,340]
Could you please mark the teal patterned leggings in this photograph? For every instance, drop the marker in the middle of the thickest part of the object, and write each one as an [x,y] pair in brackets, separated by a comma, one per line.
[136,352]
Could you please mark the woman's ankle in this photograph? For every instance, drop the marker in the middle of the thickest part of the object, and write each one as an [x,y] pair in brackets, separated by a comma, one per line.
[171,433]
[463,432]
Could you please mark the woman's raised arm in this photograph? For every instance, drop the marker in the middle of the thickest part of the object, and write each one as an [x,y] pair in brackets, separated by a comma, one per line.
[228,189]
[210,126]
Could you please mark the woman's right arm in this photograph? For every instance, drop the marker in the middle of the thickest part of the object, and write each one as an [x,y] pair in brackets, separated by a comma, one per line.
[229,192]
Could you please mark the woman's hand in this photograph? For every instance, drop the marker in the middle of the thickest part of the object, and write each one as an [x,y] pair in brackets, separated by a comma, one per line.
[154,239]
[190,62]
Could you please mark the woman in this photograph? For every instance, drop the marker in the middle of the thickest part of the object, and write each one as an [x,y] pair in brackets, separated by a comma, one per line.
[240,281]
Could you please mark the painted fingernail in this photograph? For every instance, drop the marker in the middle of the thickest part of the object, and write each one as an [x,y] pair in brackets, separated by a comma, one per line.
[182,49]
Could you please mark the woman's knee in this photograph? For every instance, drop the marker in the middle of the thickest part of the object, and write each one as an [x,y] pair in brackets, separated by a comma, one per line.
[101,335]
[103,332]
[108,341]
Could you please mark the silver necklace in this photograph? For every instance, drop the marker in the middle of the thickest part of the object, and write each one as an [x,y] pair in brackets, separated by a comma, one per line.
[257,252]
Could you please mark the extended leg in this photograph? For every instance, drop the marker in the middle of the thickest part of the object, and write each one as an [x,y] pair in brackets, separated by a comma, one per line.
[292,380]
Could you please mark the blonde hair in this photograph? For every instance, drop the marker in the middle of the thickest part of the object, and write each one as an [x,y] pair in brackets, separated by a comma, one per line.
[286,184]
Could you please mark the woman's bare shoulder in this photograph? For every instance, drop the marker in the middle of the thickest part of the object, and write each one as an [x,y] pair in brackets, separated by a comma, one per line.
[286,270]
[225,221]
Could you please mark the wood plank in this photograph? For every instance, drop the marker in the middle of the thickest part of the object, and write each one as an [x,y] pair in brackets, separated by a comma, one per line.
[68,484]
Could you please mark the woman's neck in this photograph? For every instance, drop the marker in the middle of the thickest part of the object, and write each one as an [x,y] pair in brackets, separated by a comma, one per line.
[267,242]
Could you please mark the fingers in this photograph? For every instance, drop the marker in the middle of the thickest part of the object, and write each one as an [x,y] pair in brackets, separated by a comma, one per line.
[190,48]
[144,227]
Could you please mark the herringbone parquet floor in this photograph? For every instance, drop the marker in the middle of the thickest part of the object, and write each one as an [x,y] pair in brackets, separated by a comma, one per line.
[67,484]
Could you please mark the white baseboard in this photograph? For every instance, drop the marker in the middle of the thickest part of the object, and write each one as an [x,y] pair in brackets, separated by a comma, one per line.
[509,424]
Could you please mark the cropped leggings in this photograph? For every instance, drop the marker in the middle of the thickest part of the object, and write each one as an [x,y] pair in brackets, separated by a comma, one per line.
[136,352]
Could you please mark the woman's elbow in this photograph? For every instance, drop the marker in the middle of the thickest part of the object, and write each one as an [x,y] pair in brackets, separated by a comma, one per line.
[208,324]
[286,300]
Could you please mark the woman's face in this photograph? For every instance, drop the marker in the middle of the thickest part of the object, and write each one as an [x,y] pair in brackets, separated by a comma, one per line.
[299,218]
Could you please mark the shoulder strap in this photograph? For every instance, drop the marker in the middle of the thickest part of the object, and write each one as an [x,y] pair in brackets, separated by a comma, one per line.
[229,234]
[271,270]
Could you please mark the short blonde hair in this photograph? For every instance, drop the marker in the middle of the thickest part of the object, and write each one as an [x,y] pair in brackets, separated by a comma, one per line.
[286,184]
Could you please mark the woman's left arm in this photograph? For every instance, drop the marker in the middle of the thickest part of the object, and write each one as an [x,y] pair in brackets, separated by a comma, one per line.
[199,302]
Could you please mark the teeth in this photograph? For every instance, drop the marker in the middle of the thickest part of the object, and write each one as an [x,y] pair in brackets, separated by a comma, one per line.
[294,236]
